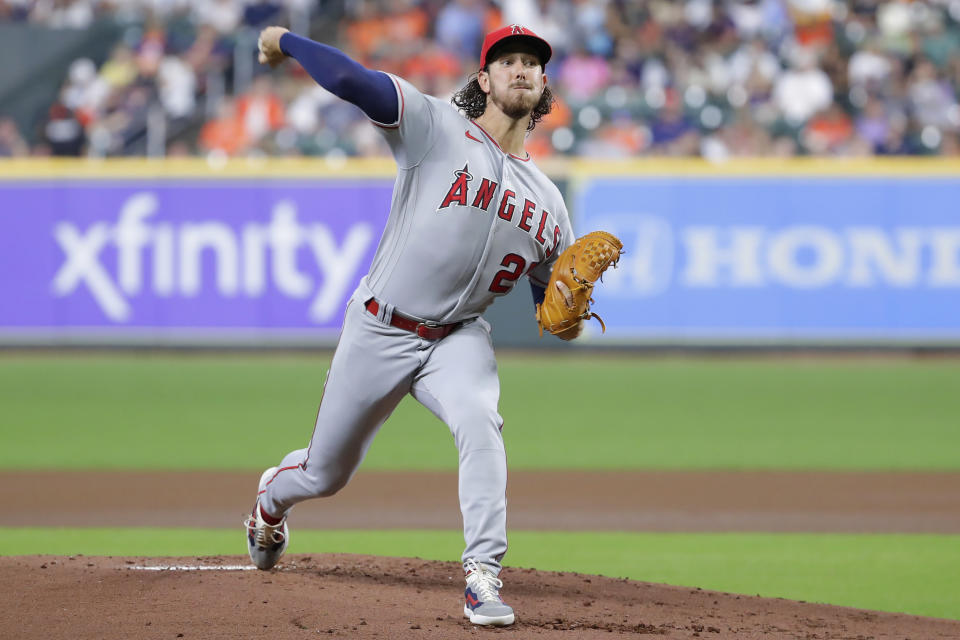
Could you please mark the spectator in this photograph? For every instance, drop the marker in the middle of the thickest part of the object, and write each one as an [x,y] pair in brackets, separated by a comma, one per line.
[813,22]
[207,53]
[829,131]
[938,44]
[869,67]
[897,143]
[753,62]
[226,133]
[259,13]
[61,14]
[931,98]
[803,90]
[583,75]
[12,144]
[744,138]
[85,92]
[120,70]
[620,138]
[550,19]
[434,70]
[260,110]
[950,145]
[589,22]
[895,21]
[672,131]
[364,31]
[460,28]
[63,132]
[177,85]
[872,124]
[14,10]
[223,15]
[304,111]
[854,77]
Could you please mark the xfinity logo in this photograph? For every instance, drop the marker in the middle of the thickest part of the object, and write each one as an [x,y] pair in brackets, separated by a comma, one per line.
[802,257]
[245,261]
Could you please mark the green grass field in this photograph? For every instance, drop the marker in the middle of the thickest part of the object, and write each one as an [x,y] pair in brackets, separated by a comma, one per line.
[240,412]
[79,411]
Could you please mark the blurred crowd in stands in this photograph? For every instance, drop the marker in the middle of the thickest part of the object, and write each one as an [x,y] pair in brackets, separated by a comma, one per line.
[712,78]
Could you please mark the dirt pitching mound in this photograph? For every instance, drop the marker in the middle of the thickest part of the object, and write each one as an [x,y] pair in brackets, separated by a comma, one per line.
[350,596]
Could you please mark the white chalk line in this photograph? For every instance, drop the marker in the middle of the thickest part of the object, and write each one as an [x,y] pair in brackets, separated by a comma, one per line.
[193,567]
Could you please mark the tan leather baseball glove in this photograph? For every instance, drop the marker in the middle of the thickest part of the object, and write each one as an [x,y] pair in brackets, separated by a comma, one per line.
[577,269]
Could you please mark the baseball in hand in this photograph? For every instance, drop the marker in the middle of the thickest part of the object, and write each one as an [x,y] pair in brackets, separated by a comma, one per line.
[573,332]
[269,45]
[566,293]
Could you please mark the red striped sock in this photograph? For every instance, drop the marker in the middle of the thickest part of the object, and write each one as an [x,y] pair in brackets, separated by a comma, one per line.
[269,519]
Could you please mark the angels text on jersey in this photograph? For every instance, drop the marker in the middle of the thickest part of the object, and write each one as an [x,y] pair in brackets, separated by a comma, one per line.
[487,196]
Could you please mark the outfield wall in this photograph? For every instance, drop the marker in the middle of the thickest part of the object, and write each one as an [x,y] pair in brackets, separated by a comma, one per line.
[257,253]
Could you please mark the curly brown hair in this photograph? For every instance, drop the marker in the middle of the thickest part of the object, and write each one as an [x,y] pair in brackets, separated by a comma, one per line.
[473,102]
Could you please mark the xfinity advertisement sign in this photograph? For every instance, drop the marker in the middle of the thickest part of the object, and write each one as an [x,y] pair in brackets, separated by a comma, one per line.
[189,257]
[779,259]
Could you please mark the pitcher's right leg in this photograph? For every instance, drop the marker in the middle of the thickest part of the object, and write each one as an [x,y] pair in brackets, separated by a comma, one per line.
[370,373]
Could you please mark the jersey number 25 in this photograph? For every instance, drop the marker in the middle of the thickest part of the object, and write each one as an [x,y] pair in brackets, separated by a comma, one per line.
[503,281]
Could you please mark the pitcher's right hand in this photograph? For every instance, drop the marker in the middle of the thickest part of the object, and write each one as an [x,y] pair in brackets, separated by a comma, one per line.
[269,45]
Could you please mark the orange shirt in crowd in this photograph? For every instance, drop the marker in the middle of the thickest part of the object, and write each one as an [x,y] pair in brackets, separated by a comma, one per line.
[366,34]
[270,109]
[830,129]
[224,134]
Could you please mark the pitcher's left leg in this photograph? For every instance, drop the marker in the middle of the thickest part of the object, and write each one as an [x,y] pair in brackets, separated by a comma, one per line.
[459,384]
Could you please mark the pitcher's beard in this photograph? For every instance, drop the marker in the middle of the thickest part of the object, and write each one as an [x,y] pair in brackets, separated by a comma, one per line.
[515,106]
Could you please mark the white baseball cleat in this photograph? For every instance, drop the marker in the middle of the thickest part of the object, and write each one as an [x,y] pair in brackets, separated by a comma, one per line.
[265,542]
[483,604]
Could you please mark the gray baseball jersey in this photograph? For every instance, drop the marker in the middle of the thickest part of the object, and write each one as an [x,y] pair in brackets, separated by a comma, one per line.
[467,221]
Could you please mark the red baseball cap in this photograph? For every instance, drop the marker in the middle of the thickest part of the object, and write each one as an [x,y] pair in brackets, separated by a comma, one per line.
[515,31]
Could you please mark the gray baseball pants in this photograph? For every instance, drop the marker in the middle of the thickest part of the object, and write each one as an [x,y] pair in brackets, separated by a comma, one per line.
[375,365]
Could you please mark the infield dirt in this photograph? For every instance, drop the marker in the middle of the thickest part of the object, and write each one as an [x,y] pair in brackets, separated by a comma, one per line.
[78,597]
[342,596]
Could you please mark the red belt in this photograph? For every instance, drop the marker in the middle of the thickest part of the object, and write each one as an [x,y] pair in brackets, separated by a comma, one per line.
[426,330]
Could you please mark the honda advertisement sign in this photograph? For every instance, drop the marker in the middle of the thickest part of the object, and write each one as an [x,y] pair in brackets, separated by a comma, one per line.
[778,259]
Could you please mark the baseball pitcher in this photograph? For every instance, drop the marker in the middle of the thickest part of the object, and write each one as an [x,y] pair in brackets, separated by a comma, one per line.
[471,214]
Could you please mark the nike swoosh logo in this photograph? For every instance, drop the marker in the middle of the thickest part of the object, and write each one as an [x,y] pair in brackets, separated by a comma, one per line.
[471,137]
